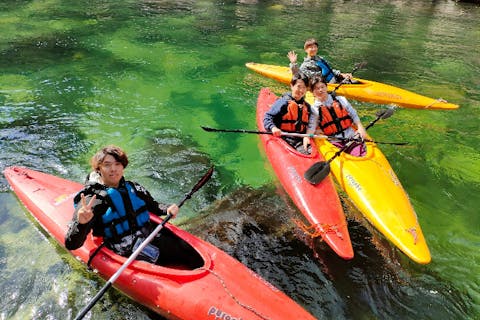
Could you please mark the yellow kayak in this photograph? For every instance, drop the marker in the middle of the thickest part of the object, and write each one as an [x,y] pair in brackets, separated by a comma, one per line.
[375,190]
[364,90]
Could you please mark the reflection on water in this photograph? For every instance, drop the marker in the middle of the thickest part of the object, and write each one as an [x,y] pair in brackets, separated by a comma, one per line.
[146,75]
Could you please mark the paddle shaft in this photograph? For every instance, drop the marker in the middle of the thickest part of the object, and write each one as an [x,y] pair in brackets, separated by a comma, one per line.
[320,170]
[373,122]
[122,268]
[142,246]
[345,147]
[374,141]
[351,142]
[357,66]
[293,134]
[288,134]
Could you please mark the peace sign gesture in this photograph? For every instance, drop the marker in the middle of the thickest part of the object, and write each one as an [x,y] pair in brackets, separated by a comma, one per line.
[85,212]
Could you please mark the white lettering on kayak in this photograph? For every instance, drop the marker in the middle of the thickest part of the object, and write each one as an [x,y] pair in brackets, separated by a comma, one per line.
[413,232]
[389,95]
[351,181]
[62,198]
[268,284]
[220,315]
[394,178]
[294,174]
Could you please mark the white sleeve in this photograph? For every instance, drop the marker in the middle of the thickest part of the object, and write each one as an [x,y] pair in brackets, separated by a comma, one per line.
[313,118]
[351,111]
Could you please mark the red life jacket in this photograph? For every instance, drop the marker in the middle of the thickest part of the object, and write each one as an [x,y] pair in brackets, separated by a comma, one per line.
[334,119]
[296,118]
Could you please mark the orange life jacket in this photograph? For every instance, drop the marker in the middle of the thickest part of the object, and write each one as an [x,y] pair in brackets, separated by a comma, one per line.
[296,118]
[334,119]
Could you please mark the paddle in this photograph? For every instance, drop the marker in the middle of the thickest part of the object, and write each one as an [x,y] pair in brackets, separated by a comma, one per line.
[357,66]
[320,170]
[109,283]
[369,140]
[292,134]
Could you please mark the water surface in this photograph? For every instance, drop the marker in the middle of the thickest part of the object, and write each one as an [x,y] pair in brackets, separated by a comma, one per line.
[145,75]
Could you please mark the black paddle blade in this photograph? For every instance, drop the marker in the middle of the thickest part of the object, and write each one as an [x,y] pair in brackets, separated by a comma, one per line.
[360,65]
[317,172]
[203,180]
[199,184]
[207,128]
[385,113]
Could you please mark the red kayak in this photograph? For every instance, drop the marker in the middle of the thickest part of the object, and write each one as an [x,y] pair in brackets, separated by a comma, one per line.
[212,285]
[319,203]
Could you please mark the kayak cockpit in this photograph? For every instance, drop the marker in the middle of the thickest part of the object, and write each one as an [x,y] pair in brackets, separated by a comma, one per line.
[176,253]
[179,254]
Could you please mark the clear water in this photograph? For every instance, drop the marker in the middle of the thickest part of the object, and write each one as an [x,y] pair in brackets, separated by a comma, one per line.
[76,75]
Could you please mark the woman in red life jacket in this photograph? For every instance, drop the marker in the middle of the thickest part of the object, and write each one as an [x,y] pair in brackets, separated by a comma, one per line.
[335,117]
[290,113]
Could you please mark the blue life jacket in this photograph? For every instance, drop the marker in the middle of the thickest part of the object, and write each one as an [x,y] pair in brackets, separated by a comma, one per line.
[327,71]
[117,221]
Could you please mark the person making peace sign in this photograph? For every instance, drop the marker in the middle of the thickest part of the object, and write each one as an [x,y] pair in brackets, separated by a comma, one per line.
[113,208]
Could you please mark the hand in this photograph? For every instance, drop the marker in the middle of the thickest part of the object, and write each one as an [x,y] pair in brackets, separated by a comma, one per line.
[362,132]
[292,56]
[85,213]
[306,142]
[346,76]
[276,132]
[173,210]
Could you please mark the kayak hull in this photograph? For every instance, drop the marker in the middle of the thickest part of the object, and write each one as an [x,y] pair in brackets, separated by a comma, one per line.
[221,288]
[365,90]
[374,188]
[319,204]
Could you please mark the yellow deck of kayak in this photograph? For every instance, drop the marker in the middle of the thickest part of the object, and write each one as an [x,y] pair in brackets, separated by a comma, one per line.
[375,190]
[366,90]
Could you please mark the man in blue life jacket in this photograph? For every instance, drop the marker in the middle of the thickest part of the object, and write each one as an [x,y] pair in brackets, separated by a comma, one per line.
[113,208]
[314,65]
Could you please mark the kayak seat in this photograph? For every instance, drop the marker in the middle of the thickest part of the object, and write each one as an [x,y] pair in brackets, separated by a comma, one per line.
[175,252]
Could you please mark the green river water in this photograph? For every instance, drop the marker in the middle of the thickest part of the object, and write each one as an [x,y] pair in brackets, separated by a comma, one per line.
[145,75]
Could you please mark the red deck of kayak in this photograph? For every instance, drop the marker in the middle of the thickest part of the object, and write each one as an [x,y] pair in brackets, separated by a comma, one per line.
[222,289]
[319,203]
